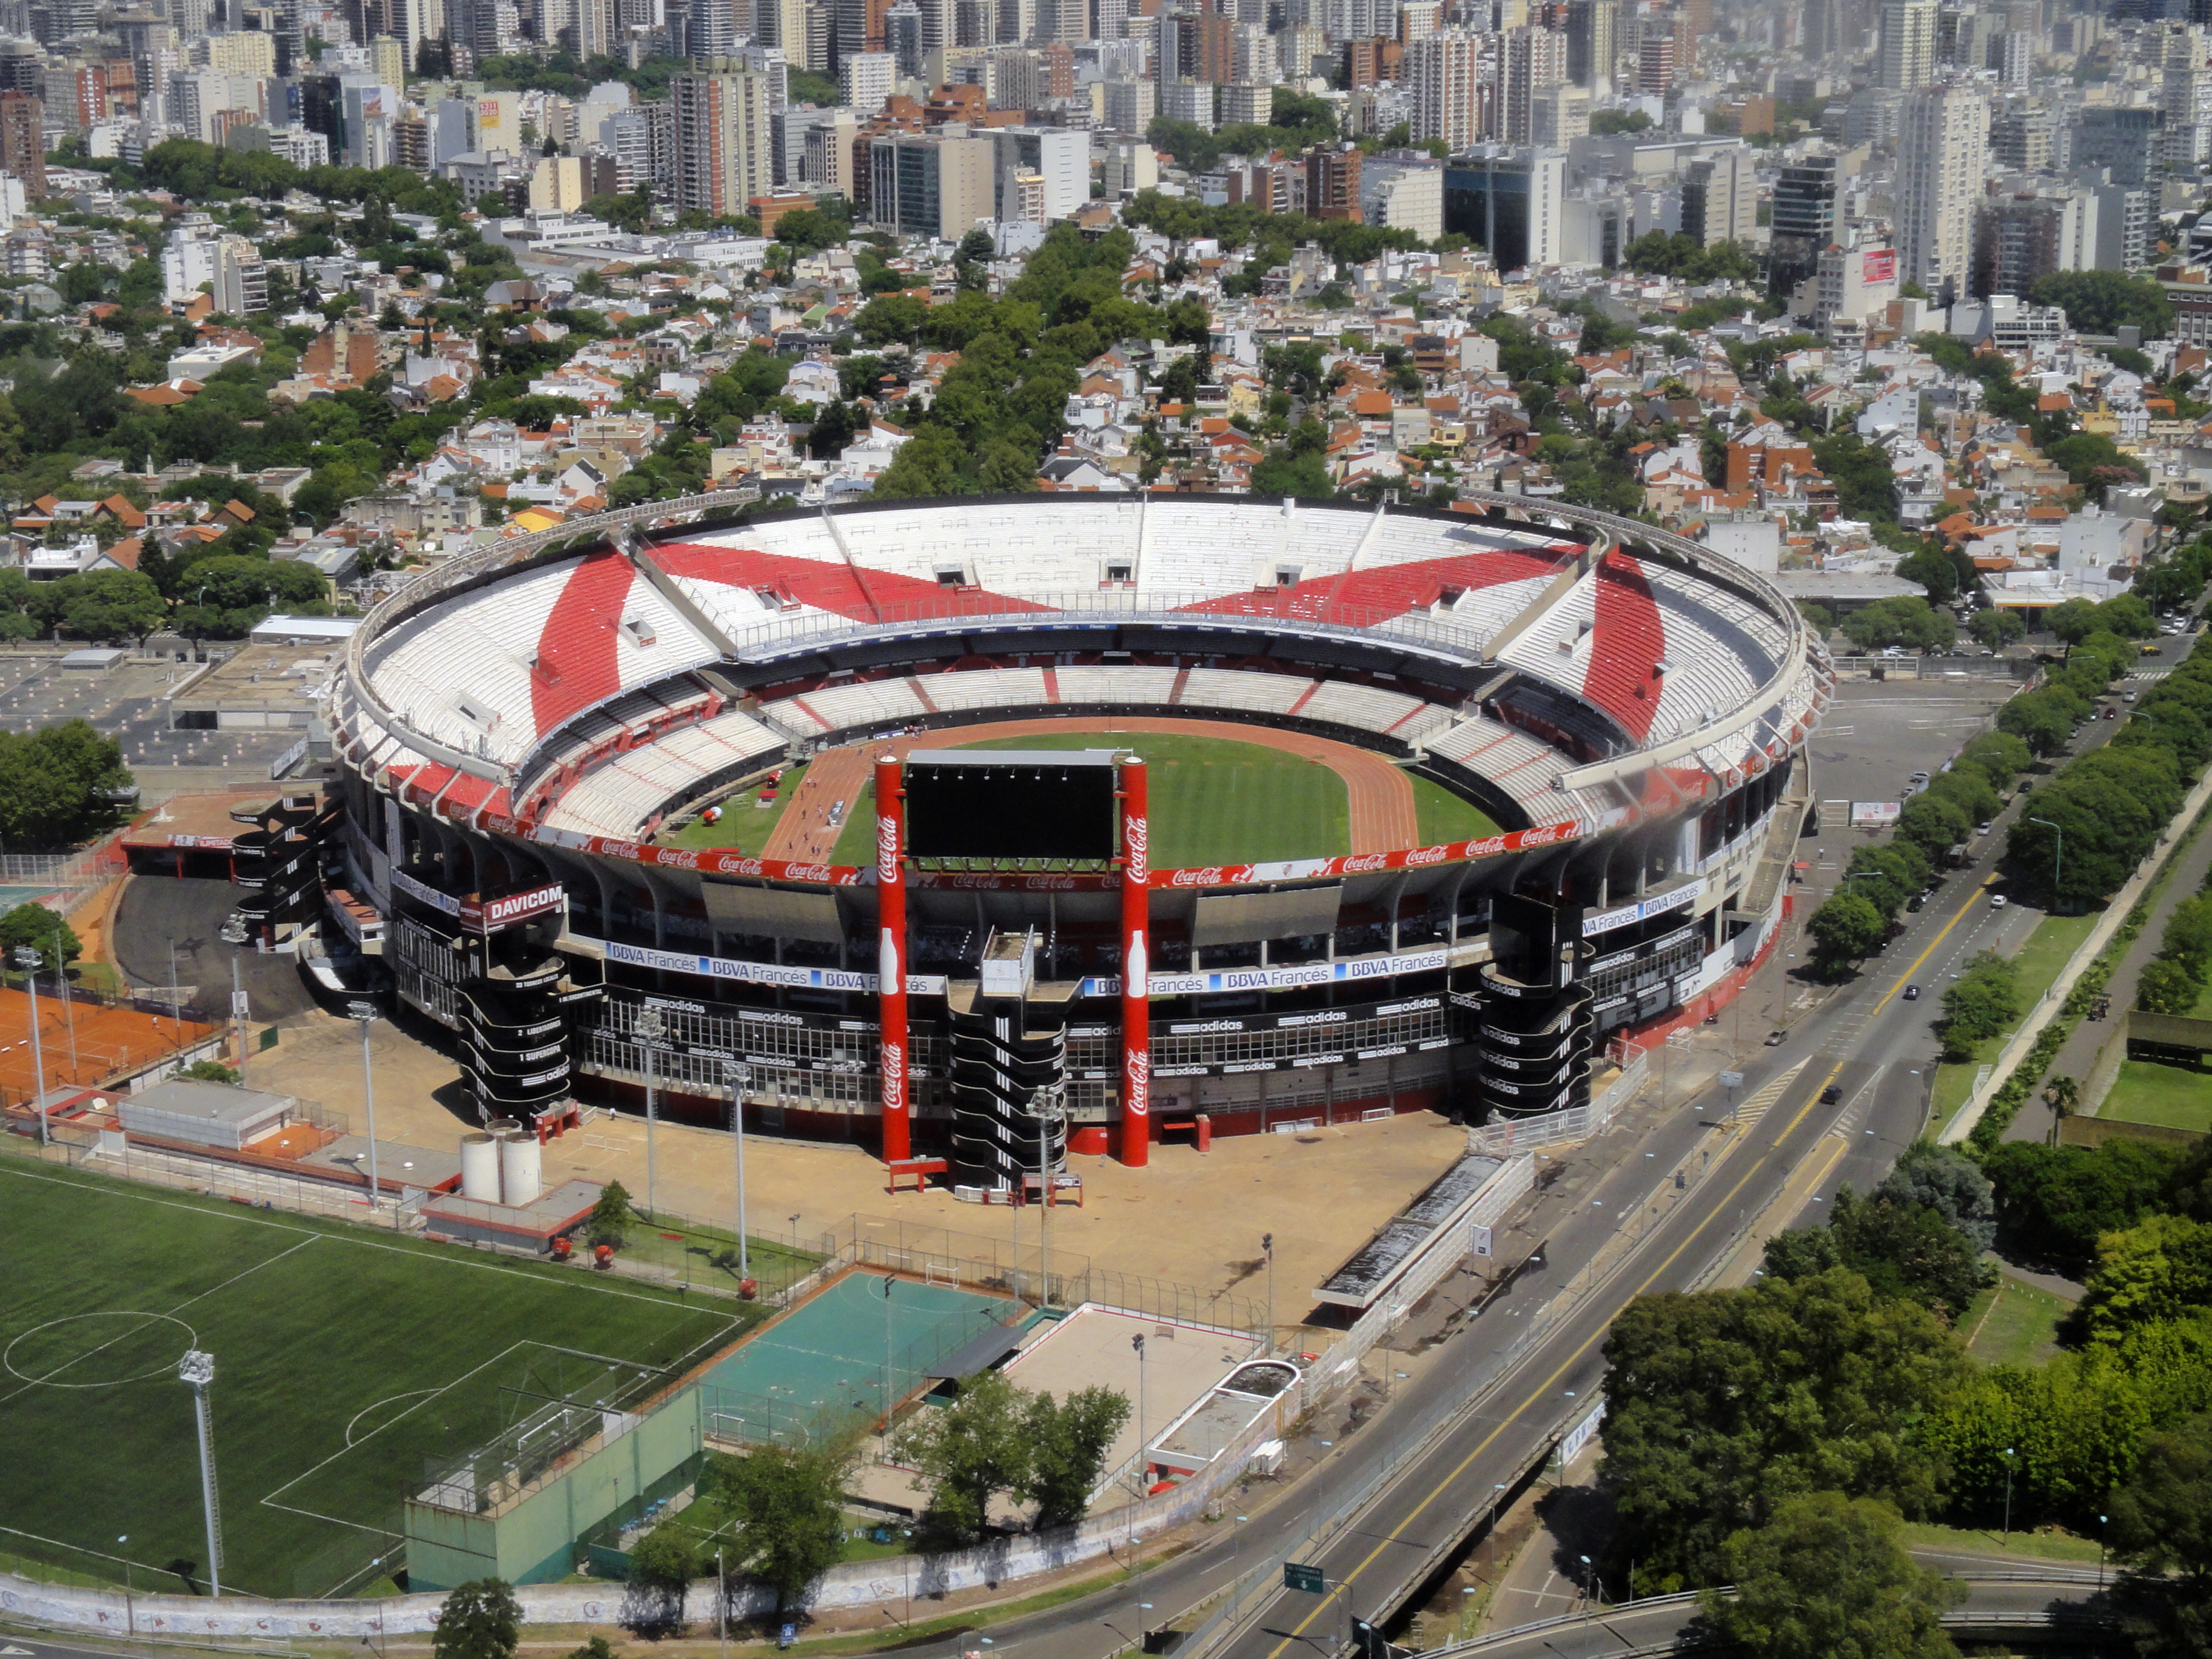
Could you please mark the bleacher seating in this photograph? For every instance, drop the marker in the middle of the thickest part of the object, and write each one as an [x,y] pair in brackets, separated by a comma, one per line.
[616,797]
[1260,693]
[1362,707]
[493,671]
[1127,685]
[845,708]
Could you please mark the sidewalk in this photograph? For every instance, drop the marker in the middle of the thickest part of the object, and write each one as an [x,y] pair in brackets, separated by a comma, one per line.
[2079,1054]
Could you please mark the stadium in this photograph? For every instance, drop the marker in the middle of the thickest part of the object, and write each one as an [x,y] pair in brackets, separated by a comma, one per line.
[1465,797]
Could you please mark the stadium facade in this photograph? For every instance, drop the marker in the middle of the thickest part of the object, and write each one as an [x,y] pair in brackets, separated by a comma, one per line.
[515,728]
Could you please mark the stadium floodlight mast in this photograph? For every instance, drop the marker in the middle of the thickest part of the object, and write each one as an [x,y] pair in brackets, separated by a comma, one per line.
[649,1027]
[363,1012]
[196,1370]
[30,962]
[740,1077]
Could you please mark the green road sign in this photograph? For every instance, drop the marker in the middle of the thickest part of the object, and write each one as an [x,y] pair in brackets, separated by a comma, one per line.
[1299,1577]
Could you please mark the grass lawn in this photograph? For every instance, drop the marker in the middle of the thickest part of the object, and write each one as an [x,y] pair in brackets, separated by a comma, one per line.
[1445,817]
[2048,949]
[2013,1324]
[745,824]
[2050,1546]
[343,1361]
[699,1252]
[1215,801]
[2147,1091]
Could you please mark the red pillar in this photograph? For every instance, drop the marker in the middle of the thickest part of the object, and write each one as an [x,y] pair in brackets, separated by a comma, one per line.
[891,957]
[1136,1006]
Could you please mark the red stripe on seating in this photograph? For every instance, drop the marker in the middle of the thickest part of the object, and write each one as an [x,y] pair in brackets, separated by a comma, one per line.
[1626,648]
[576,648]
[832,588]
[1366,596]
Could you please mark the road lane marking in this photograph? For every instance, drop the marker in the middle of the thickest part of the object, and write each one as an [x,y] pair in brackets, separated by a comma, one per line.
[1394,1536]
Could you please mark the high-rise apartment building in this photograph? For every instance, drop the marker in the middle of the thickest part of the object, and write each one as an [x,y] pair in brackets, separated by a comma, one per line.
[1130,105]
[1449,76]
[1058,157]
[1908,44]
[1535,61]
[1557,116]
[1720,197]
[866,81]
[723,146]
[2020,132]
[2020,238]
[23,141]
[1654,65]
[1942,152]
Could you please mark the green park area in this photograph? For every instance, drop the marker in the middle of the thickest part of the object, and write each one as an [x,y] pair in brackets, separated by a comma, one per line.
[2151,1091]
[2036,967]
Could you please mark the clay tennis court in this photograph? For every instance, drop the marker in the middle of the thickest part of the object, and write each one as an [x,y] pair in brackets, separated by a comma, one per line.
[1383,815]
[84,1042]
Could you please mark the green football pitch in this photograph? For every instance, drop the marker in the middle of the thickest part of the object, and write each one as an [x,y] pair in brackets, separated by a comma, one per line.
[347,1364]
[1215,801]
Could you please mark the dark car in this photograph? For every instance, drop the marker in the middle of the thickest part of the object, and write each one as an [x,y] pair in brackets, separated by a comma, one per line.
[1913,994]
[1776,1039]
[1832,1094]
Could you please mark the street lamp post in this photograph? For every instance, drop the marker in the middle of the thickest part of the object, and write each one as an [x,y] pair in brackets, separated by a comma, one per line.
[649,1027]
[365,1014]
[2058,857]
[29,960]
[1267,1249]
[738,1075]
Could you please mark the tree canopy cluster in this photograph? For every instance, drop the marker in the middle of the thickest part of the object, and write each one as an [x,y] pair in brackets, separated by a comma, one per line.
[1296,121]
[2107,808]
[1833,1395]
[2102,302]
[998,1438]
[1272,236]
[1657,254]
[59,786]
[1983,1000]
[1913,624]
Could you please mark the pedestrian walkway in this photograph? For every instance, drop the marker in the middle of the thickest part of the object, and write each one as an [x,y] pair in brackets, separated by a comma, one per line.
[2079,1054]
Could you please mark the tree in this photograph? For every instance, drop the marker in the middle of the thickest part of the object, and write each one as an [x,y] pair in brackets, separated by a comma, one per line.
[1907,1250]
[1721,1406]
[2100,301]
[2054,1202]
[663,1564]
[209,1070]
[1951,1183]
[968,1453]
[611,1216]
[1983,1001]
[2162,1517]
[787,1509]
[2158,1269]
[1846,928]
[1996,629]
[1069,1440]
[2166,988]
[1827,1575]
[33,926]
[480,1619]
[2063,1096]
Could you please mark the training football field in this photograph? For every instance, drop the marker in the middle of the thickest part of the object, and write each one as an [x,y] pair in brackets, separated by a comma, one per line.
[348,1366]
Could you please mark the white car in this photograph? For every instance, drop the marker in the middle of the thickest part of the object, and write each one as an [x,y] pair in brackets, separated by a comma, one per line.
[1997,901]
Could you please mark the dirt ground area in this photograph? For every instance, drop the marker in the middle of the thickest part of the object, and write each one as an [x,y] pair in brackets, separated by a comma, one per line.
[80,1044]
[1189,1218]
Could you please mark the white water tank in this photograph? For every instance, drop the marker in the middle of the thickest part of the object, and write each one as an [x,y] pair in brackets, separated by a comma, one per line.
[480,1168]
[519,1169]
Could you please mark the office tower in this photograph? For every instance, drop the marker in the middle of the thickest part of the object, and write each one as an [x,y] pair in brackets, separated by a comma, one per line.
[927,185]
[866,81]
[1591,44]
[724,145]
[1557,116]
[1509,199]
[1720,198]
[1447,76]
[1804,222]
[2020,136]
[711,29]
[1943,153]
[1908,44]
[2125,142]
[902,34]
[1535,60]
[1654,65]
[1405,195]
